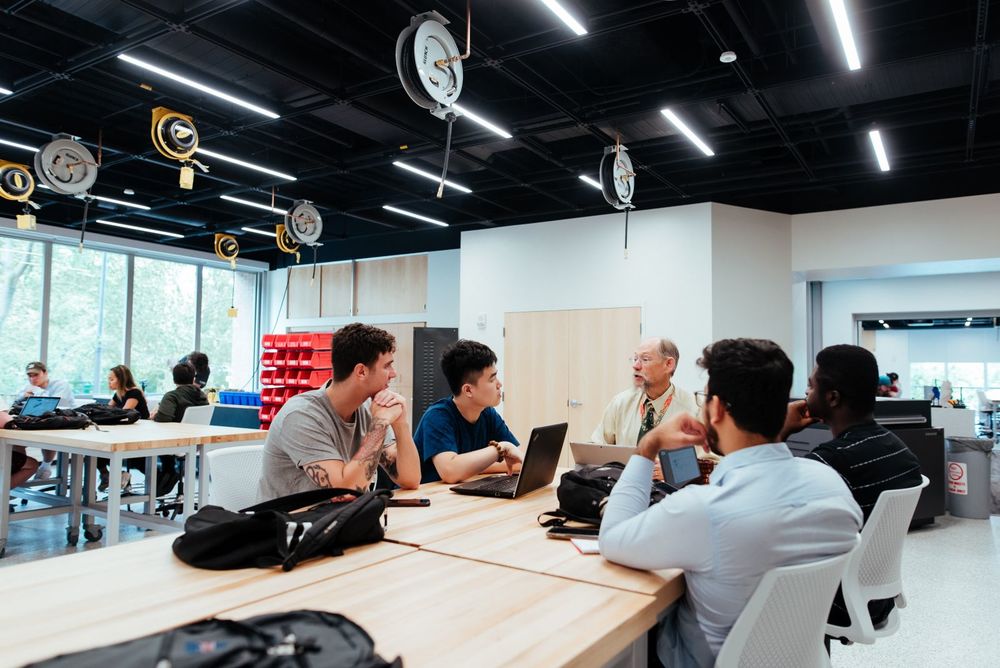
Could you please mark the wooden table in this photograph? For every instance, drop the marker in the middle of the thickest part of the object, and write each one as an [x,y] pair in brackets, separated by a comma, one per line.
[117,443]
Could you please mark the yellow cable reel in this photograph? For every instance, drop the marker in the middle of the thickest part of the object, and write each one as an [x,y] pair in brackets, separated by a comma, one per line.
[176,137]
[16,185]
[227,248]
[285,242]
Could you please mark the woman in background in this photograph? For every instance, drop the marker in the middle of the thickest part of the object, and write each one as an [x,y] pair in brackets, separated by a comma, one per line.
[127,394]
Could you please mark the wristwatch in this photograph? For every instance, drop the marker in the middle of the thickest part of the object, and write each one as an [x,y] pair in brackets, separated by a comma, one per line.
[500,451]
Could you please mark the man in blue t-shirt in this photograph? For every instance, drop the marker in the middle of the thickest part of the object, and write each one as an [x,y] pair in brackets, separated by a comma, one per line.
[462,435]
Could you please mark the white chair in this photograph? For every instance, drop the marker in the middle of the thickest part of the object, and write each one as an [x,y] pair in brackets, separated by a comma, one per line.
[233,476]
[875,570]
[198,414]
[782,623]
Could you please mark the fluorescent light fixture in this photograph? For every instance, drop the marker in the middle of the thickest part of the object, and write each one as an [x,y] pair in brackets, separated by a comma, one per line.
[244,163]
[199,86]
[687,132]
[589,181]
[886,325]
[428,175]
[564,16]
[6,142]
[846,36]
[920,324]
[121,201]
[5,91]
[141,229]
[883,159]
[482,121]
[968,320]
[414,215]
[881,322]
[258,205]
[256,231]
[967,323]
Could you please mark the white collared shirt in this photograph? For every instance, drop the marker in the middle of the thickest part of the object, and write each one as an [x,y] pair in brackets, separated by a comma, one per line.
[623,415]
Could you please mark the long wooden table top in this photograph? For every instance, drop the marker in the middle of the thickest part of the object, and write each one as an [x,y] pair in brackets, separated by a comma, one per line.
[506,532]
[142,435]
[103,596]
[435,610]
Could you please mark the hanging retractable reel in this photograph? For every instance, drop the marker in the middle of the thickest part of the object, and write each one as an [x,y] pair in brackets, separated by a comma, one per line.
[618,181]
[227,248]
[175,137]
[16,185]
[429,65]
[304,226]
[68,167]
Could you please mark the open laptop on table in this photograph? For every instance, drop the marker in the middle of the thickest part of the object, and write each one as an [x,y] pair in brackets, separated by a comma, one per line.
[537,470]
[680,466]
[599,454]
[35,406]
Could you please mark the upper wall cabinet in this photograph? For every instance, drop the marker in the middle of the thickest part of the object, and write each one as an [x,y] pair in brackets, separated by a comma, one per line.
[393,285]
[303,293]
[337,292]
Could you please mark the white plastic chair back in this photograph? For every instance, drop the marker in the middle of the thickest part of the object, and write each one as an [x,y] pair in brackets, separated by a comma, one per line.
[875,570]
[198,414]
[782,623]
[233,476]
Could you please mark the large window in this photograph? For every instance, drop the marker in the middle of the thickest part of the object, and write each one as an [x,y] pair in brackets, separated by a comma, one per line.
[228,341]
[21,267]
[163,320]
[925,374]
[86,317]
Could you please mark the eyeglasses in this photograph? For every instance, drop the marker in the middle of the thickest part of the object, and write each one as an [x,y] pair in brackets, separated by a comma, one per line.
[646,359]
[701,398]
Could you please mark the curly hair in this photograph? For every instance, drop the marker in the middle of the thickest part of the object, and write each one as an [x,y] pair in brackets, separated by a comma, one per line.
[358,344]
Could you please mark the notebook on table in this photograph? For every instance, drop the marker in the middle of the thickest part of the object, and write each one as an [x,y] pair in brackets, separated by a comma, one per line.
[538,469]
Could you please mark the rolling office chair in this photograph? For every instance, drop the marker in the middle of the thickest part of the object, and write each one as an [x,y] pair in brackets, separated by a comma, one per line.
[782,623]
[875,568]
[234,475]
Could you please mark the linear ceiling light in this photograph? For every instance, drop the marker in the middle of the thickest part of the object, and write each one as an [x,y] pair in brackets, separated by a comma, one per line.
[121,201]
[256,231]
[476,118]
[5,142]
[199,86]
[428,175]
[414,215]
[141,229]
[589,181]
[265,207]
[5,91]
[686,131]
[565,16]
[846,36]
[883,159]
[244,163]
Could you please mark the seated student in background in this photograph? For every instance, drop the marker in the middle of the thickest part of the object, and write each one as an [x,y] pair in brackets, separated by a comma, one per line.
[338,435]
[40,385]
[762,509]
[462,435]
[870,458]
[199,361]
[128,396]
[176,401]
[22,466]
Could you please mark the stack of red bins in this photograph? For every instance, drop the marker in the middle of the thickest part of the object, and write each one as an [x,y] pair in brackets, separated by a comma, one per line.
[292,364]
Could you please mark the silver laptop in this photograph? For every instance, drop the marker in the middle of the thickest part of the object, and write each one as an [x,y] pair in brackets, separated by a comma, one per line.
[598,454]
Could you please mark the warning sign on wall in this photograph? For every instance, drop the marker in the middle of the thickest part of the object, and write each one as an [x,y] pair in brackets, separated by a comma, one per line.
[958,480]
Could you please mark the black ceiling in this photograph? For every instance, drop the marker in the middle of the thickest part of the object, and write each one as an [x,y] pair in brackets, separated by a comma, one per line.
[788,121]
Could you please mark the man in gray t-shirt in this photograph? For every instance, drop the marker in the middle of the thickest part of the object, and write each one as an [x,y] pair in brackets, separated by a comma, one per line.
[335,436]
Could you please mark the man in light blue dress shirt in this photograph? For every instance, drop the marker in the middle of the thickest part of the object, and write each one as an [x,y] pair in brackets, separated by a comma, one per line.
[761,509]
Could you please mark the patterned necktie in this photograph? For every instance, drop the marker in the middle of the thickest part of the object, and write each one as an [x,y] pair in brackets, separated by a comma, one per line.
[648,419]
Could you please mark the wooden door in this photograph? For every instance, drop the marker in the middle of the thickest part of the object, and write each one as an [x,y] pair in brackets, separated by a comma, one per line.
[535,372]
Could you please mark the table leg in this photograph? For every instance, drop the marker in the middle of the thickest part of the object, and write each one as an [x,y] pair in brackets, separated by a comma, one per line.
[203,499]
[90,493]
[76,496]
[189,481]
[5,467]
[114,501]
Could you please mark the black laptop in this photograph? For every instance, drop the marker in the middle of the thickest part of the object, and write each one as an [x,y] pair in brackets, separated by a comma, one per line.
[680,466]
[538,469]
[35,406]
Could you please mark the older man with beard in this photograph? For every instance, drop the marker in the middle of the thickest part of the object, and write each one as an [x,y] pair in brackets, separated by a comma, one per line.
[762,509]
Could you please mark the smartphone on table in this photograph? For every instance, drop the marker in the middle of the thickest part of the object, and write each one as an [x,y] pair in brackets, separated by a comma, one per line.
[408,503]
[566,533]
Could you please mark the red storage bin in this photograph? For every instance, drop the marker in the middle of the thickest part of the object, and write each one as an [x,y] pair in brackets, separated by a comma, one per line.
[268,357]
[314,340]
[315,359]
[267,341]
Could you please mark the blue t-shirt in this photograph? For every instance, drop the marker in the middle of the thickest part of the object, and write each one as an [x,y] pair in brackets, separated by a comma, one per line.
[443,429]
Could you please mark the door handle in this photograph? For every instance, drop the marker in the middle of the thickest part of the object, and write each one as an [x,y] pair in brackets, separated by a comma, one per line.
[573,403]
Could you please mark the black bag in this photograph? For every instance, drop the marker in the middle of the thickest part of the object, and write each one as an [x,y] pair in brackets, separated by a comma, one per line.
[294,639]
[58,418]
[583,492]
[104,414]
[270,534]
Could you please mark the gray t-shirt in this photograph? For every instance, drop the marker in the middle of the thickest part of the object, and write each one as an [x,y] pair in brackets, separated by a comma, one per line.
[308,430]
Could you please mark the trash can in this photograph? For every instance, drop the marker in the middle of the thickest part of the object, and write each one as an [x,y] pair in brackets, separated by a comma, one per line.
[967,472]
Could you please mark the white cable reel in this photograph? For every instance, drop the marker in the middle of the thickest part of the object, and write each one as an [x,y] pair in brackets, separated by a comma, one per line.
[66,166]
[304,224]
[618,181]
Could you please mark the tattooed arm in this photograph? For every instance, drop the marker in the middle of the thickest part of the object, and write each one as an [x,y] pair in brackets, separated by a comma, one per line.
[356,473]
[399,459]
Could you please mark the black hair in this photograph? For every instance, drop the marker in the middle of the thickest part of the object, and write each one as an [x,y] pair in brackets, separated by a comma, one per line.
[463,362]
[183,373]
[358,344]
[893,376]
[853,372]
[198,360]
[753,377]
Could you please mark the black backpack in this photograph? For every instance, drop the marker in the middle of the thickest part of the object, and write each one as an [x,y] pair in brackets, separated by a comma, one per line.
[104,414]
[58,418]
[583,492]
[298,638]
[270,534]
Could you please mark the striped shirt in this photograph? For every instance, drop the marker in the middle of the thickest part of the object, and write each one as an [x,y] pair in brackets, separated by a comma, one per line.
[870,459]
